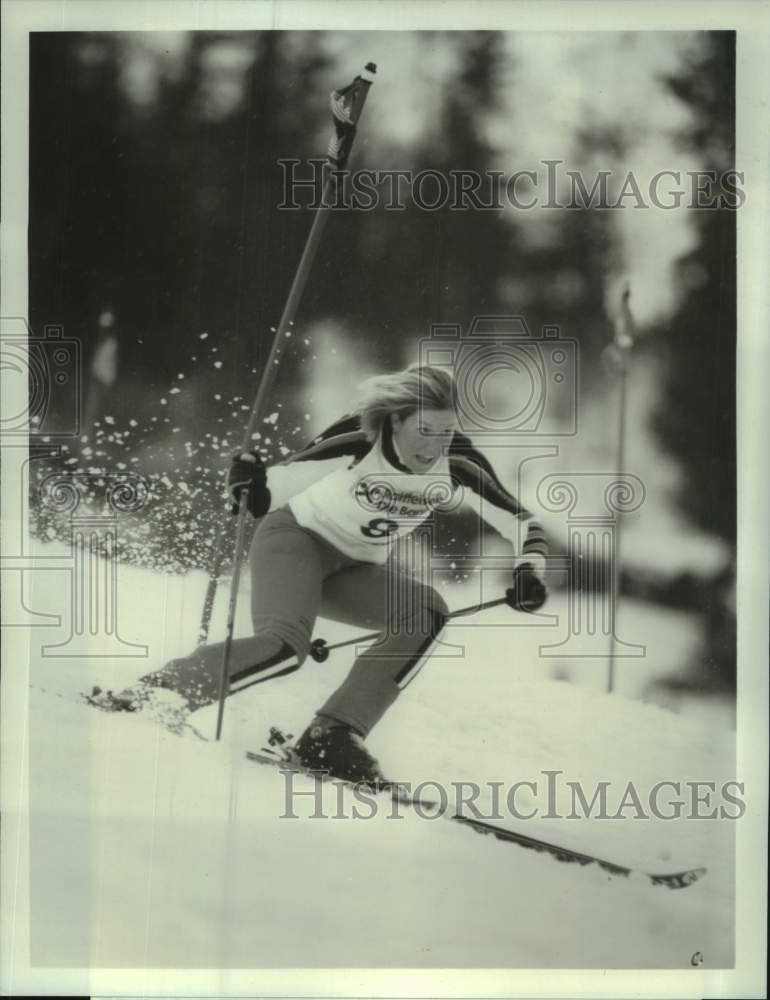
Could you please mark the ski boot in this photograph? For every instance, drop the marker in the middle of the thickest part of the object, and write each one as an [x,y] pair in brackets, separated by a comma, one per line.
[338,750]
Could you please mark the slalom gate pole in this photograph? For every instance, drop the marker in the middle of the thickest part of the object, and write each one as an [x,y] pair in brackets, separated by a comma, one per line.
[623,342]
[320,649]
[347,105]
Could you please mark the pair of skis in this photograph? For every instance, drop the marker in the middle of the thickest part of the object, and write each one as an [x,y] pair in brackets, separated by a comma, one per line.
[279,753]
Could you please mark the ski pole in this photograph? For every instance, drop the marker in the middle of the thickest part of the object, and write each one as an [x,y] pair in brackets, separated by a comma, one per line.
[320,649]
[347,105]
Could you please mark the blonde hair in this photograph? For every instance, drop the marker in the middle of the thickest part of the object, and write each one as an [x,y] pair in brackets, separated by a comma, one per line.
[404,392]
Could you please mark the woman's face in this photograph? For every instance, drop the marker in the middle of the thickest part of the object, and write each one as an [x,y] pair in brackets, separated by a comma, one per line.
[422,437]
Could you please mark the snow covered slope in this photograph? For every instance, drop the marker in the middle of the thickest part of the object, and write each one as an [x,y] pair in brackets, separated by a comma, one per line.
[153,851]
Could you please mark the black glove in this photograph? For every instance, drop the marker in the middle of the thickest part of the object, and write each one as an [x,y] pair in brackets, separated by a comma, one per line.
[528,592]
[247,471]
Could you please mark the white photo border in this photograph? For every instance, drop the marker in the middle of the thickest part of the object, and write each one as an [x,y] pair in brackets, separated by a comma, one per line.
[751,21]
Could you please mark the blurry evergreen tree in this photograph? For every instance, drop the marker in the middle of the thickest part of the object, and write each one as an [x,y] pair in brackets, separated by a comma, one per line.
[168,211]
[696,419]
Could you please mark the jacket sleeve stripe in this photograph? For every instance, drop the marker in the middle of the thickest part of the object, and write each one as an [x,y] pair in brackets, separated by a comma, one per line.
[536,541]
[470,468]
[354,444]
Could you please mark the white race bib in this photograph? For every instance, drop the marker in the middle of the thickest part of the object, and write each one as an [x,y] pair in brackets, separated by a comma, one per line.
[363,509]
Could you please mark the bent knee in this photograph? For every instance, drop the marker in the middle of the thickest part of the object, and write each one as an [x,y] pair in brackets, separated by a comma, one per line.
[428,606]
[284,634]
[430,599]
[438,609]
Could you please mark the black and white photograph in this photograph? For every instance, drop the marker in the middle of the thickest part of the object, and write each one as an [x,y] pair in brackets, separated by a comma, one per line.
[385,522]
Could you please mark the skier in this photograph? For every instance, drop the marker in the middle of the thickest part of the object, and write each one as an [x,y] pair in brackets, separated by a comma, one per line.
[330,516]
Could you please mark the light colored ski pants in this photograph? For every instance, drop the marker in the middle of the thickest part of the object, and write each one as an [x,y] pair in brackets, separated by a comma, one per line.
[295,576]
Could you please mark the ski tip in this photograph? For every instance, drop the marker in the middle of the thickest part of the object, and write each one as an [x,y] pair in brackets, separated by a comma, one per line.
[679,880]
